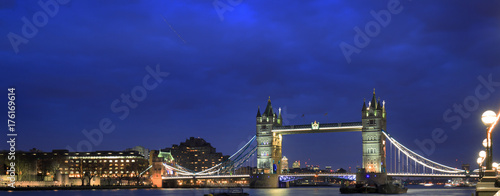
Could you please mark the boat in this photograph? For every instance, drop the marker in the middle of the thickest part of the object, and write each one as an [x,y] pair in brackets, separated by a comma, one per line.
[394,187]
[371,183]
[391,187]
[458,182]
[232,191]
[358,188]
[429,184]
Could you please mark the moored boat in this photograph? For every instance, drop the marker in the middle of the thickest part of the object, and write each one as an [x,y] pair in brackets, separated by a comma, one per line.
[392,188]
[358,188]
[236,191]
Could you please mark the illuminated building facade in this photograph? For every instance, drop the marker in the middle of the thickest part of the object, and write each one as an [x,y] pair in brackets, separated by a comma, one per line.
[374,121]
[104,163]
[268,143]
[196,154]
[60,164]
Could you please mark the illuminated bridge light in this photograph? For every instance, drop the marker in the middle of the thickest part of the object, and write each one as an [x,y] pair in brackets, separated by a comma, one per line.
[249,149]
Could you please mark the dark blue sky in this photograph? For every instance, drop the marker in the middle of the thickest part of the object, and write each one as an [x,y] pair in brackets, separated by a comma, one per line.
[222,65]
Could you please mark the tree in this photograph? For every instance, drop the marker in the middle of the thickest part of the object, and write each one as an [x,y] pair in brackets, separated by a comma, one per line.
[55,166]
[81,171]
[88,175]
[25,166]
[49,166]
[90,169]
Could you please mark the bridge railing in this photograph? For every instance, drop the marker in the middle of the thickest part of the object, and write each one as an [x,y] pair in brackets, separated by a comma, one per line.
[321,125]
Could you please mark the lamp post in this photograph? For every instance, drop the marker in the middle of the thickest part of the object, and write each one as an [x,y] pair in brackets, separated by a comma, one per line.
[488,119]
[480,160]
[480,164]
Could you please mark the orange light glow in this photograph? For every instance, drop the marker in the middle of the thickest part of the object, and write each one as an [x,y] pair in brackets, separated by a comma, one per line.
[493,125]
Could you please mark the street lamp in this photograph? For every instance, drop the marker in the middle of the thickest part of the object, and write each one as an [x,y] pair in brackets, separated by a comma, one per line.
[488,118]
[480,163]
[482,154]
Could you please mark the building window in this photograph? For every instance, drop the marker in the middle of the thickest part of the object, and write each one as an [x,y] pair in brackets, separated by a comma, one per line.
[372,122]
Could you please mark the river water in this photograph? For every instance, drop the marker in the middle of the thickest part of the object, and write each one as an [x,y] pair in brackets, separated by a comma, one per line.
[413,190]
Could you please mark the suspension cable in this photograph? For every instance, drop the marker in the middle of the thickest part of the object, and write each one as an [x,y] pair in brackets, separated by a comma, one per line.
[418,158]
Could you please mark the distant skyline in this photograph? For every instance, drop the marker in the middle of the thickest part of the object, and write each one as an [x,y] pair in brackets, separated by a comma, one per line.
[156,73]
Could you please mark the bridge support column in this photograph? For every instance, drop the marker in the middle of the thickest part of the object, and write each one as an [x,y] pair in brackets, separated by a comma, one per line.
[157,181]
[371,178]
[169,184]
[264,181]
[284,184]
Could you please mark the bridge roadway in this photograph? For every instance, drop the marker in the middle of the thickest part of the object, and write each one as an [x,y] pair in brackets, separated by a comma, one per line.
[322,128]
[323,175]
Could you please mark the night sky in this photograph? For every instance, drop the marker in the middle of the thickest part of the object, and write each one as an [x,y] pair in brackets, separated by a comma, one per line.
[435,63]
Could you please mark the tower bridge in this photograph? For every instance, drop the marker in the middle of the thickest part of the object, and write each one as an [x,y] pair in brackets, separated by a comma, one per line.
[266,145]
[270,131]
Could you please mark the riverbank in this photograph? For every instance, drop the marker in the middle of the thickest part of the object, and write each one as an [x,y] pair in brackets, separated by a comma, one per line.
[72,188]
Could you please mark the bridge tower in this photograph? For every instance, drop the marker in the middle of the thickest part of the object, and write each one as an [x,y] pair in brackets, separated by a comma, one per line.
[374,121]
[268,143]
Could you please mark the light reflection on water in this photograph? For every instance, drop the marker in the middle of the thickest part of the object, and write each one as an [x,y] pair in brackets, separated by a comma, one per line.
[413,190]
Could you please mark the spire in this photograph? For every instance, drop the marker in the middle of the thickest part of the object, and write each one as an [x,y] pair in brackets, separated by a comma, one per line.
[258,112]
[383,106]
[279,109]
[269,108]
[374,100]
[379,107]
[364,105]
